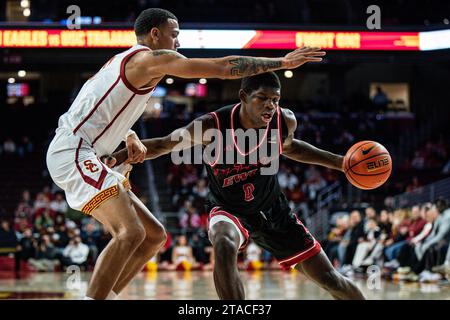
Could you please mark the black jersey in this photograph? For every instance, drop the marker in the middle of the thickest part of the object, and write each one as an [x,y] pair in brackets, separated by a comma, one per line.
[248,183]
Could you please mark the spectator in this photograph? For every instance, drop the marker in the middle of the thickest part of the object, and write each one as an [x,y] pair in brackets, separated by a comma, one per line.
[407,257]
[190,220]
[253,255]
[9,147]
[182,256]
[366,244]
[44,220]
[90,236]
[76,253]
[406,234]
[335,236]
[45,258]
[380,100]
[418,162]
[59,204]
[348,245]
[286,179]
[26,249]
[8,238]
[428,251]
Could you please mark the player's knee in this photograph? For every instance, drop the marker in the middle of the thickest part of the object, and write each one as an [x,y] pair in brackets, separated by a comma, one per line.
[155,239]
[131,236]
[225,247]
[332,281]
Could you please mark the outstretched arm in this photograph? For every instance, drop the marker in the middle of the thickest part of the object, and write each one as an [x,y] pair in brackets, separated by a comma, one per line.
[304,152]
[179,139]
[148,65]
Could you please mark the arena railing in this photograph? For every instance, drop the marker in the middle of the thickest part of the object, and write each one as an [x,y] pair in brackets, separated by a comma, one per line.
[427,193]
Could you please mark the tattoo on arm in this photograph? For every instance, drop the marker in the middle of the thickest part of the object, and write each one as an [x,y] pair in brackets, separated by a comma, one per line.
[246,66]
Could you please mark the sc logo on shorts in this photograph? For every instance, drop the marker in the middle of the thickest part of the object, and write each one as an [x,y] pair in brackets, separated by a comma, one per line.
[92,167]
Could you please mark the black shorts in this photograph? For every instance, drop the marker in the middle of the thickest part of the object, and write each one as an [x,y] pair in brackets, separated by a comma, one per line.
[276,230]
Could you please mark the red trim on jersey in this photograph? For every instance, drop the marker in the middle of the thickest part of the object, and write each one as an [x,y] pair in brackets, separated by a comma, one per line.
[280,136]
[96,105]
[124,78]
[301,256]
[219,149]
[234,137]
[114,119]
[96,184]
[217,211]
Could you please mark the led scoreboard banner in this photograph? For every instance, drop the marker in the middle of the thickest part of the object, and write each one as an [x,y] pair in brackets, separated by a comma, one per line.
[232,39]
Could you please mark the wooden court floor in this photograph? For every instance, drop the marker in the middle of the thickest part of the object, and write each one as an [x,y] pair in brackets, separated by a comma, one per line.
[176,285]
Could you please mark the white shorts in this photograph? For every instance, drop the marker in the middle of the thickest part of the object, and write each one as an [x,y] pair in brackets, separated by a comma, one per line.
[218,214]
[75,167]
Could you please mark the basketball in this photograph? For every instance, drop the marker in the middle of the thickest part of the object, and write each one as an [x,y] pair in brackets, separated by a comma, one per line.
[367,165]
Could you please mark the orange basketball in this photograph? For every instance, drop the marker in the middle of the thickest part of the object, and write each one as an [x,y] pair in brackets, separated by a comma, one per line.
[367,165]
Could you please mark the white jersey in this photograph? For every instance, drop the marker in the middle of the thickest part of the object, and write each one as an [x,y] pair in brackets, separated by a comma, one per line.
[107,106]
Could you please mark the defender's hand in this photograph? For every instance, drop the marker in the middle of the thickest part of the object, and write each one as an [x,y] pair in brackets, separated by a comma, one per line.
[302,55]
[110,161]
[136,149]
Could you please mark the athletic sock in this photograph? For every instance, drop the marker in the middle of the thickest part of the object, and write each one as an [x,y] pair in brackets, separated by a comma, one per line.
[111,296]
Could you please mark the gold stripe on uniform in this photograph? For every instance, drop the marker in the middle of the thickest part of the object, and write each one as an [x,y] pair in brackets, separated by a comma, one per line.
[100,198]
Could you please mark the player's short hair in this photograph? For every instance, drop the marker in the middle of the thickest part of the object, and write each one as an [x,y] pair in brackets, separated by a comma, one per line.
[151,18]
[267,80]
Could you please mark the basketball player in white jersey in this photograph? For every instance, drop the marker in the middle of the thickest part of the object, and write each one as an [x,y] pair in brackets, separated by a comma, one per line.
[101,117]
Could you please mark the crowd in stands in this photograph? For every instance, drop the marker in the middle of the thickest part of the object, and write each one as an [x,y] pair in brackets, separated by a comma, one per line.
[20,147]
[408,244]
[43,236]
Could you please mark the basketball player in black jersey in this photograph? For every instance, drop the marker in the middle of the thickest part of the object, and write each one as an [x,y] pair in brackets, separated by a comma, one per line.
[244,200]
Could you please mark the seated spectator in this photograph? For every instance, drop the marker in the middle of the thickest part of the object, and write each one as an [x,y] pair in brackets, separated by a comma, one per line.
[59,204]
[44,220]
[8,238]
[335,236]
[41,204]
[347,246]
[405,235]
[89,236]
[45,258]
[253,257]
[26,249]
[190,220]
[428,252]
[76,253]
[366,244]
[407,257]
[200,189]
[286,179]
[198,244]
[182,256]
